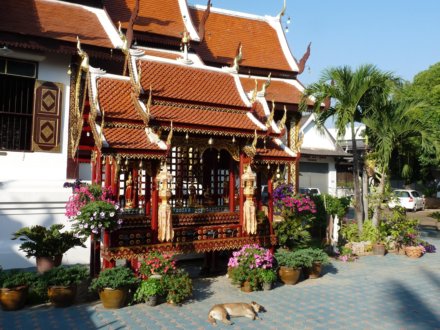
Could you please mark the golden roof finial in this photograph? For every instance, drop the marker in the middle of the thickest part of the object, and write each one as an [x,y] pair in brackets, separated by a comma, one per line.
[148,106]
[255,91]
[265,85]
[84,66]
[254,142]
[238,58]
[102,124]
[272,114]
[283,120]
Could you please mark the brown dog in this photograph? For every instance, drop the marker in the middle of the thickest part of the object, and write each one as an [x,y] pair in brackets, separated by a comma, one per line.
[222,312]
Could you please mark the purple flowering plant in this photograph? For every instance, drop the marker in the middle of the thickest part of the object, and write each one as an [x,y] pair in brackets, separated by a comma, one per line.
[91,208]
[286,201]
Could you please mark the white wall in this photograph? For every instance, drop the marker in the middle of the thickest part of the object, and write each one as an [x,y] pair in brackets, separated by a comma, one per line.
[31,183]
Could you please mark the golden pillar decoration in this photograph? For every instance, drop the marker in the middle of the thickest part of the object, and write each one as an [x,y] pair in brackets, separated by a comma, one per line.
[295,142]
[250,218]
[165,223]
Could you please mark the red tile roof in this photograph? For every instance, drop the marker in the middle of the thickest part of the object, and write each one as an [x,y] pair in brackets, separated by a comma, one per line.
[129,138]
[53,20]
[114,97]
[174,81]
[159,17]
[279,91]
[162,54]
[204,118]
[223,33]
[272,152]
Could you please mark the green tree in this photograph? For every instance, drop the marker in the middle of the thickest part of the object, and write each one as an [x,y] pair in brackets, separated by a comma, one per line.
[350,91]
[395,125]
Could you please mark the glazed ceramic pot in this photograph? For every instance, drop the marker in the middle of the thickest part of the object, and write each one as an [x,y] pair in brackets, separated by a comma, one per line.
[14,298]
[62,296]
[289,275]
[113,298]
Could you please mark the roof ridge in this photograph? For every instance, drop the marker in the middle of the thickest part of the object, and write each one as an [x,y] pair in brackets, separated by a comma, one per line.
[232,13]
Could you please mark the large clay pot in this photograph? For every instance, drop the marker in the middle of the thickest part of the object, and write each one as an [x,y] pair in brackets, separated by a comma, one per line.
[113,298]
[47,263]
[62,296]
[315,270]
[289,275]
[379,249]
[13,299]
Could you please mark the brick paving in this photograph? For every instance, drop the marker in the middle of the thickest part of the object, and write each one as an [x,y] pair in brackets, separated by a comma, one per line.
[390,292]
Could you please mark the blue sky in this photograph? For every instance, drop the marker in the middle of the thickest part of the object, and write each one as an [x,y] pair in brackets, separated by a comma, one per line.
[401,36]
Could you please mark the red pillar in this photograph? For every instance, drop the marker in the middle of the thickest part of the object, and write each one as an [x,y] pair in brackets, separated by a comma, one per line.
[135,188]
[241,190]
[114,181]
[98,167]
[93,168]
[108,172]
[148,188]
[270,202]
[231,186]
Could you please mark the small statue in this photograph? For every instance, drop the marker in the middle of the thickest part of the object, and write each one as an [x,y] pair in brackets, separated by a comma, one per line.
[192,195]
[129,193]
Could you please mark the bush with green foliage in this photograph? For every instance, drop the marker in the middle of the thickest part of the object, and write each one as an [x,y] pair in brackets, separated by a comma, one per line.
[13,279]
[267,275]
[350,232]
[178,286]
[292,232]
[317,255]
[39,241]
[292,259]
[65,276]
[435,215]
[398,226]
[114,278]
[149,288]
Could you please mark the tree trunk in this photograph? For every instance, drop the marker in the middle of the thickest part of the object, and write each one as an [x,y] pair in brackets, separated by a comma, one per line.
[357,190]
[381,189]
[365,192]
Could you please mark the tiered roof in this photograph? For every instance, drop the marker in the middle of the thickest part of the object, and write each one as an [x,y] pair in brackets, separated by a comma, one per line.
[124,131]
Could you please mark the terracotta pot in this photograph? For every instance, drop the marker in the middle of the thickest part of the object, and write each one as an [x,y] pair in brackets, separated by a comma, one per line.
[315,270]
[113,298]
[13,299]
[246,287]
[289,275]
[62,296]
[47,263]
[413,251]
[379,249]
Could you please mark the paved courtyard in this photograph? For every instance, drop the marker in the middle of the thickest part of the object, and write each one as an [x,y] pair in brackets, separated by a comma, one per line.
[391,292]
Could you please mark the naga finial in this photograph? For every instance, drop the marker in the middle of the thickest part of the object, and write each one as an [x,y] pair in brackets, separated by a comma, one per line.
[148,106]
[125,47]
[265,85]
[238,58]
[283,11]
[272,114]
[84,57]
[283,120]
[254,142]
[170,135]
[254,92]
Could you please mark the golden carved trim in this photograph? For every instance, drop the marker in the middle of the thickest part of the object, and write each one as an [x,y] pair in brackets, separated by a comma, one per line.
[124,125]
[207,131]
[145,116]
[133,156]
[198,107]
[92,118]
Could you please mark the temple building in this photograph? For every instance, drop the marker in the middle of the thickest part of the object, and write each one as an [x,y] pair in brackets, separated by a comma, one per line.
[186,112]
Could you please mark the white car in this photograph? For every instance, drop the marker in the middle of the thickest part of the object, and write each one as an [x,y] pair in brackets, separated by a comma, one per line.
[409,199]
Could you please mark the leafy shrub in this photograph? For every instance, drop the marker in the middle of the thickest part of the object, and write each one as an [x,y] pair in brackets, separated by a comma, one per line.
[350,232]
[292,259]
[267,275]
[156,262]
[13,279]
[178,286]
[65,276]
[435,215]
[114,278]
[149,288]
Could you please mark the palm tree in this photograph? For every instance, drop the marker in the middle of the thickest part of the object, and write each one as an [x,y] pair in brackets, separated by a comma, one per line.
[395,125]
[349,91]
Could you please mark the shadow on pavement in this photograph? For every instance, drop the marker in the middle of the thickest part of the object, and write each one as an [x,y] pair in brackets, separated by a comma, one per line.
[329,269]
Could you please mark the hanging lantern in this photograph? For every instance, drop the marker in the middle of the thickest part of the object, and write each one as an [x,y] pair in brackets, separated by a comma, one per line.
[211,141]
[233,139]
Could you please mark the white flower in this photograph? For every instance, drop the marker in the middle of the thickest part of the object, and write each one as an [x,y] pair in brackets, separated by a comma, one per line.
[95,231]
[99,225]
[112,214]
[120,221]
[95,213]
[91,218]
[116,207]
[86,225]
[78,213]
[81,226]
[92,226]
[102,214]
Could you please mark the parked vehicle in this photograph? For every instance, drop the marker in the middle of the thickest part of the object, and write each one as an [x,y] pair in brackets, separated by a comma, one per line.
[409,199]
[309,191]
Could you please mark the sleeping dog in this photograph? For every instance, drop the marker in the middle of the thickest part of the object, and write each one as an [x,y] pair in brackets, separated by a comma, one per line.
[222,312]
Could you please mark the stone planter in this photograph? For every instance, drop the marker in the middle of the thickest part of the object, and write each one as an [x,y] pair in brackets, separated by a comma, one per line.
[13,299]
[267,286]
[379,249]
[113,298]
[152,301]
[289,275]
[62,296]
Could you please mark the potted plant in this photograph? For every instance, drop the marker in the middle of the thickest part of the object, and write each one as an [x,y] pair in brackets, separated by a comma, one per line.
[413,248]
[267,277]
[318,258]
[14,287]
[47,245]
[62,282]
[178,287]
[245,264]
[290,263]
[112,285]
[149,291]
